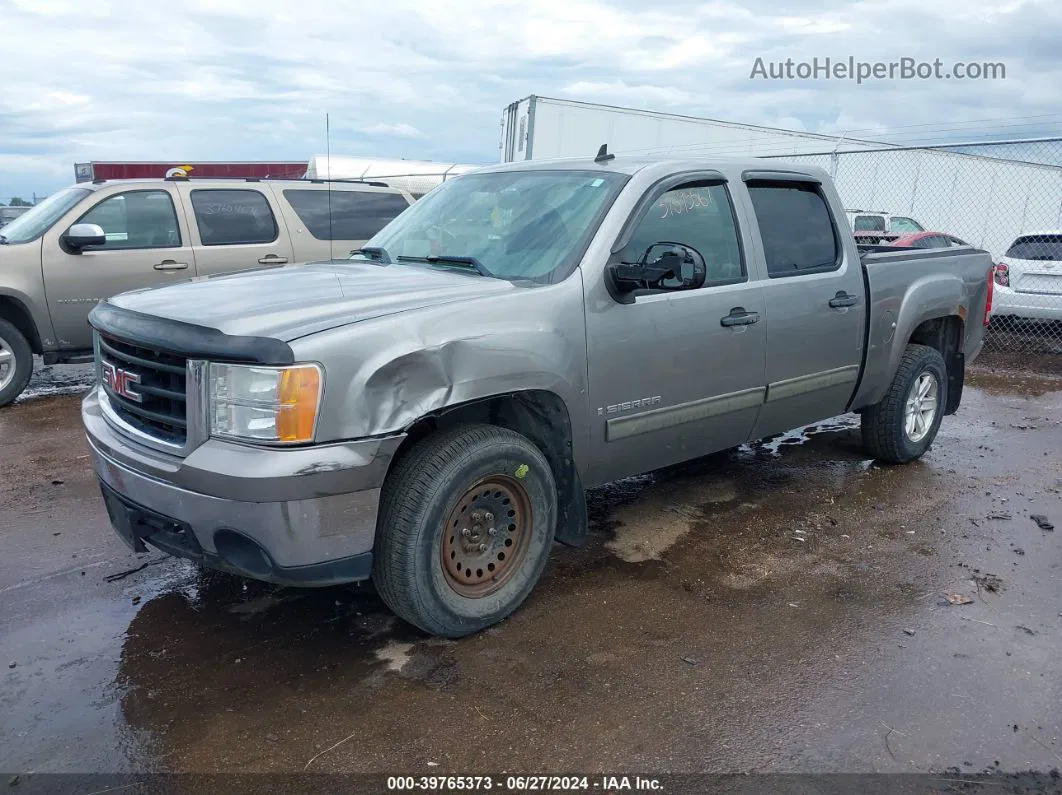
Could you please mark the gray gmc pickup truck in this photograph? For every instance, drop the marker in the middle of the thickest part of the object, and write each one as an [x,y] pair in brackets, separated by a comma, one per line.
[428,412]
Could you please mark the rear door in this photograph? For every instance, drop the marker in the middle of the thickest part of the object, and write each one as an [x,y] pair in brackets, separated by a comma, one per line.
[329,223]
[236,227]
[148,243]
[814,303]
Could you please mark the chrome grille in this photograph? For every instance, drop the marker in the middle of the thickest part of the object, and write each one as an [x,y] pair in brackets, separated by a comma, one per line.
[146,388]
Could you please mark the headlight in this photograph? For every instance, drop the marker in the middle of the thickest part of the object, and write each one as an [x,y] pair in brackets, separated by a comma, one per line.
[265,404]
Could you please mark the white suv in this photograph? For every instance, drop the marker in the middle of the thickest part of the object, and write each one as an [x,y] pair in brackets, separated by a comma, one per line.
[1029,278]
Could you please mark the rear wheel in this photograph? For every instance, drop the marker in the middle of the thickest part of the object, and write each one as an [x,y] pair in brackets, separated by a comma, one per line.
[467,520]
[903,425]
[16,362]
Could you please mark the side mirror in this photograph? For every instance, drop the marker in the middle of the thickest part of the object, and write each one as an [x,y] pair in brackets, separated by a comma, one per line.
[80,236]
[678,267]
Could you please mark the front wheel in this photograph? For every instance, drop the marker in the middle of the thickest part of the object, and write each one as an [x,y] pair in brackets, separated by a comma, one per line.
[904,423]
[467,519]
[16,362]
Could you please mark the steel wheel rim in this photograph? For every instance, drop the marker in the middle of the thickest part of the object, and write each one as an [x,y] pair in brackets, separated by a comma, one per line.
[7,363]
[476,562]
[921,408]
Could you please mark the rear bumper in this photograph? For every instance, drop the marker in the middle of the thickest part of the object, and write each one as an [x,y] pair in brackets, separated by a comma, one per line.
[303,517]
[1035,306]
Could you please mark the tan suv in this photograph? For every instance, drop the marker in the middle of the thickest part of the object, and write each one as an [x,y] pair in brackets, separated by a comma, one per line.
[91,241]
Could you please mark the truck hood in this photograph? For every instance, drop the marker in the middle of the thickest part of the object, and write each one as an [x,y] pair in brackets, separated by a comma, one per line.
[295,300]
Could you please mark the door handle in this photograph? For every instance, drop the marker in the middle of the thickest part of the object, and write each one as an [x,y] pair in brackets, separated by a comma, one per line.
[739,317]
[272,259]
[170,265]
[843,299]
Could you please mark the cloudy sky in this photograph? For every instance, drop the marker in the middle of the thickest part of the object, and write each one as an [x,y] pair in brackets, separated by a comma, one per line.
[235,79]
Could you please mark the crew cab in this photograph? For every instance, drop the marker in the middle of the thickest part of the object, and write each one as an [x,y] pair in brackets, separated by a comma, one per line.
[428,412]
[92,240]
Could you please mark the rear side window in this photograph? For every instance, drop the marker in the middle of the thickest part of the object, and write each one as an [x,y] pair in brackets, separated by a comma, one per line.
[869,223]
[1037,247]
[355,215]
[796,227]
[233,217]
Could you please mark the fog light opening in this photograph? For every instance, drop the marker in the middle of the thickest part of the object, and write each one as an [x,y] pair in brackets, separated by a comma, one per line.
[242,553]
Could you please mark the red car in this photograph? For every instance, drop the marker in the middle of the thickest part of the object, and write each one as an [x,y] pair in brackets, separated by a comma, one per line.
[928,240]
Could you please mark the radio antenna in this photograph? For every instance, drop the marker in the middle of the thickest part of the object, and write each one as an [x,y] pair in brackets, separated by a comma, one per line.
[328,189]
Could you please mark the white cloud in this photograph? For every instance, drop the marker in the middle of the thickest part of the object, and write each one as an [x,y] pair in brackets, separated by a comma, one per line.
[221,79]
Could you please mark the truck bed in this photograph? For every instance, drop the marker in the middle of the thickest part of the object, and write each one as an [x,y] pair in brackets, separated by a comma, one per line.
[904,287]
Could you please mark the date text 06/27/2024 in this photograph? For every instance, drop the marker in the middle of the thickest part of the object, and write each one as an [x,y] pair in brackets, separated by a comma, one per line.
[604,784]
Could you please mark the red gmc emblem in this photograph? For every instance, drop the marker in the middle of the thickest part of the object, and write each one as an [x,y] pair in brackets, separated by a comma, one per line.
[120,382]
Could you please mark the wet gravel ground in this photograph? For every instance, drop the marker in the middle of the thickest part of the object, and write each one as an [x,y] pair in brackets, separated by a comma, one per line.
[56,379]
[779,608]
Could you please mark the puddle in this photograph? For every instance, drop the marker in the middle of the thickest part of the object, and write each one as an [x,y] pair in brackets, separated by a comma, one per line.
[799,436]
[396,655]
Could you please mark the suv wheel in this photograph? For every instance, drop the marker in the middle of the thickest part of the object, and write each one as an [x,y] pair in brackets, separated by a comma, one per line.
[16,362]
[902,426]
[466,524]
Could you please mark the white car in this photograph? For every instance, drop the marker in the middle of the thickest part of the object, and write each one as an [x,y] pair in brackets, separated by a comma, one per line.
[1029,278]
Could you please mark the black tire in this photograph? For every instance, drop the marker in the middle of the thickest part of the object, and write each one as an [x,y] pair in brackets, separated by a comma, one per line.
[420,498]
[884,429]
[11,339]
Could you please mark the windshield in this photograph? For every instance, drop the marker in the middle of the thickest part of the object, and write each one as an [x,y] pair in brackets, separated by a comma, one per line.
[1037,247]
[39,219]
[904,225]
[518,224]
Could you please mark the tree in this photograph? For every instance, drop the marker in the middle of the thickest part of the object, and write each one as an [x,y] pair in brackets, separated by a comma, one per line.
[18,202]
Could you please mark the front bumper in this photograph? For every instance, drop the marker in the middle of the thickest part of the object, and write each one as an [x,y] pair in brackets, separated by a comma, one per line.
[304,517]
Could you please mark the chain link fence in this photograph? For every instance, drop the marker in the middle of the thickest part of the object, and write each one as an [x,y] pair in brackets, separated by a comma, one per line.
[1004,197]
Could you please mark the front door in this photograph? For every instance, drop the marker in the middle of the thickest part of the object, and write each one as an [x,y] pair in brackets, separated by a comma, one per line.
[815,302]
[147,244]
[236,228]
[675,375]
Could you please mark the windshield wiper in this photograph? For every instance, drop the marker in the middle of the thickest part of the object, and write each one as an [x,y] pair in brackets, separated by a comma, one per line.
[375,253]
[3,240]
[452,259]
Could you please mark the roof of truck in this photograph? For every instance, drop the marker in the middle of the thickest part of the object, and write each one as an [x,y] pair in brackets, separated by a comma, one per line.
[630,165]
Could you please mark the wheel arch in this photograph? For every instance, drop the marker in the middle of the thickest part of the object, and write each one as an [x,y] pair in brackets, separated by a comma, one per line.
[540,415]
[946,334]
[18,315]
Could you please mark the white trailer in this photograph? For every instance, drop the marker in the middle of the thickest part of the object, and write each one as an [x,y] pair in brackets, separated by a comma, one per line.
[541,127]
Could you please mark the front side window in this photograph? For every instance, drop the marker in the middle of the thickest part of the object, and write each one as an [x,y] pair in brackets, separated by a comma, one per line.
[345,214]
[39,219]
[137,219]
[796,227]
[698,216]
[233,217]
[524,224]
[869,223]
